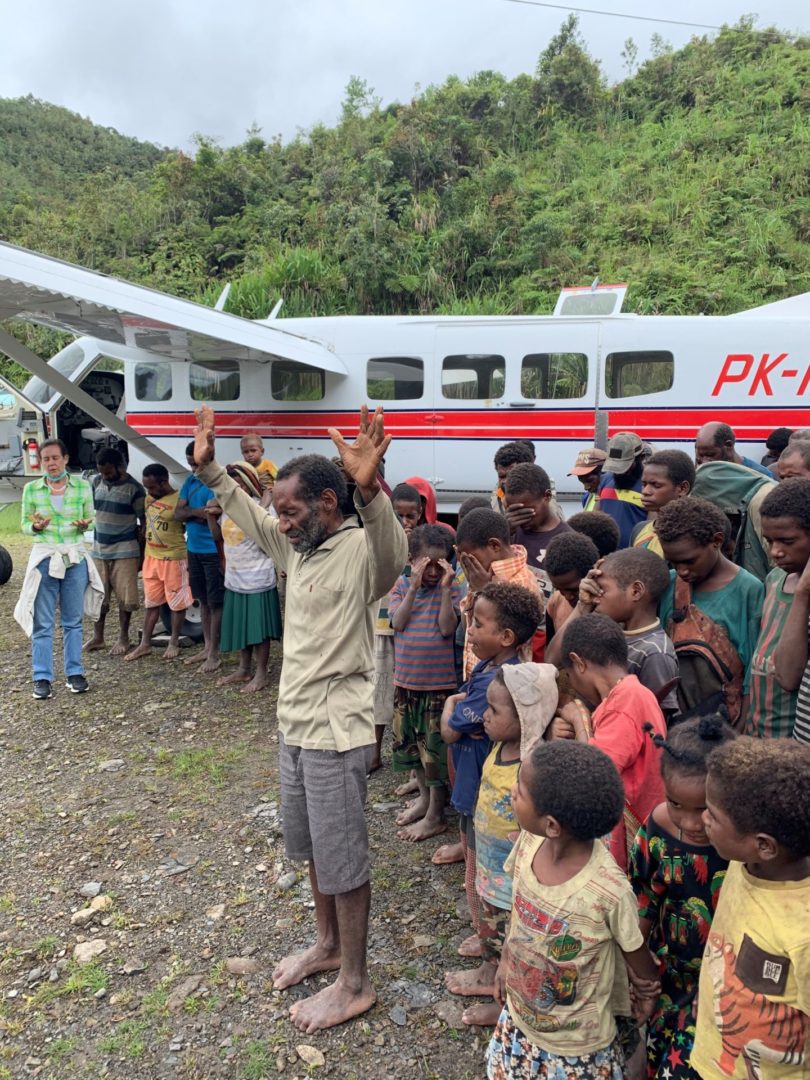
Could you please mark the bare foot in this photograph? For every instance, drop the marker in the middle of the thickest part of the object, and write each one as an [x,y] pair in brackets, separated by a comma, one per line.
[94,645]
[210,666]
[237,676]
[483,1014]
[256,684]
[119,648]
[136,654]
[297,966]
[470,947]
[332,1006]
[410,787]
[171,652]
[416,810]
[423,830]
[479,982]
[197,658]
[447,854]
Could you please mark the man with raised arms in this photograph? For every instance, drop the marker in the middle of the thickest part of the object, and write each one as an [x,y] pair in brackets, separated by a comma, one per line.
[336,574]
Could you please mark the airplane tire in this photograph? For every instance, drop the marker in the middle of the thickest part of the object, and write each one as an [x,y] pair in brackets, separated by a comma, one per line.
[6,566]
[192,627]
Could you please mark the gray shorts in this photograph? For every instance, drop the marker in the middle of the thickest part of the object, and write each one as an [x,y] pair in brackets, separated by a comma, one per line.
[323,796]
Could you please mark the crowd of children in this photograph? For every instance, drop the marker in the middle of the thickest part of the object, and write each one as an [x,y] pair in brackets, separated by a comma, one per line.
[618,713]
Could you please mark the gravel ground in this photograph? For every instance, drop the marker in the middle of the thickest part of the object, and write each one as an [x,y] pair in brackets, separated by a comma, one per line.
[159,792]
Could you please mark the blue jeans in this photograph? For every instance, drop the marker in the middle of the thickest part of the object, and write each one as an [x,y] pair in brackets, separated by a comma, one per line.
[69,591]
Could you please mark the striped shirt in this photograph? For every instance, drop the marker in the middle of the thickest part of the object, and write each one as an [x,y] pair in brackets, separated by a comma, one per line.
[119,516]
[801,729]
[77,504]
[773,710]
[425,660]
[651,657]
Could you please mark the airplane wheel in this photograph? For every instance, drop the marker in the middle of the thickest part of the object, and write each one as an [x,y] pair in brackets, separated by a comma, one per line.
[6,566]
[192,627]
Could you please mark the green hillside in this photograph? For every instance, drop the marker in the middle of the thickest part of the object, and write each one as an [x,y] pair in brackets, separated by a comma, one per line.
[690,180]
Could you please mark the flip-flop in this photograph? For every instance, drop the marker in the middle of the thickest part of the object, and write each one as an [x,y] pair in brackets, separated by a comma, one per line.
[440,858]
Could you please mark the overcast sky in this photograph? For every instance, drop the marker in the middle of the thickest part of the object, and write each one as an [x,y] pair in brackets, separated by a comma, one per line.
[164,69]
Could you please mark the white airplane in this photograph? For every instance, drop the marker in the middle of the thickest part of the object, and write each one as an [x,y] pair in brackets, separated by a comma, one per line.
[454,388]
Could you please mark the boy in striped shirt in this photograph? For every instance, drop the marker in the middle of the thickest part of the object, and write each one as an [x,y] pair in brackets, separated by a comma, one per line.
[424,612]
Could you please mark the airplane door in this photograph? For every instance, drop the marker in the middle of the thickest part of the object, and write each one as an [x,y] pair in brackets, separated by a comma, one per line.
[507,379]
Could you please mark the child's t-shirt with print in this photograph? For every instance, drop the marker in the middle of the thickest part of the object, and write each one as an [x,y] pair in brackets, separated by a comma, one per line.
[754,992]
[565,981]
[424,659]
[651,657]
[496,828]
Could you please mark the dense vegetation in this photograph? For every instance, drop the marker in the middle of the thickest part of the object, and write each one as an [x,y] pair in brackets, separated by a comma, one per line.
[690,179]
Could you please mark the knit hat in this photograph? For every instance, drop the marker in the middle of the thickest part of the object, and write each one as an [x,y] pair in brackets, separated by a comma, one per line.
[533,688]
[244,471]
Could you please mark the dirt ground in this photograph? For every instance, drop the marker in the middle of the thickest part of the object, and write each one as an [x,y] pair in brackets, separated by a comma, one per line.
[160,792]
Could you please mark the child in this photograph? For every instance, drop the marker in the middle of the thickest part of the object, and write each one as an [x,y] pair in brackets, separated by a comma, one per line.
[424,610]
[753,1001]
[710,599]
[568,560]
[786,526]
[595,654]
[251,615]
[504,616]
[668,475]
[252,450]
[627,587]
[408,507]
[573,911]
[521,700]
[528,498]
[601,528]
[676,875]
[486,554]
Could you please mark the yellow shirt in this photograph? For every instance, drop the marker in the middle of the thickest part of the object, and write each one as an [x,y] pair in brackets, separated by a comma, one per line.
[267,472]
[165,537]
[754,992]
[647,537]
[565,980]
[325,696]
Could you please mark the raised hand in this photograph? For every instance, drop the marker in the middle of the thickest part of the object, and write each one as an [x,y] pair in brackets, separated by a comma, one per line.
[590,591]
[477,577]
[204,435]
[361,459]
[417,570]
[518,515]
[82,524]
[449,574]
[39,523]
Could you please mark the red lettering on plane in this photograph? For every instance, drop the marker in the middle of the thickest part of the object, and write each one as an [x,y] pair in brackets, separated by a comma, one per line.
[762,373]
[728,375]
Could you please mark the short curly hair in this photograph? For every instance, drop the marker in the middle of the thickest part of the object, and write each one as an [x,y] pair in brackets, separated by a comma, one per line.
[680,468]
[595,638]
[406,493]
[315,475]
[800,447]
[570,551]
[514,453]
[516,608]
[790,499]
[687,747]
[480,526]
[762,785]
[576,784]
[527,479]
[638,564]
[431,536]
[600,527]
[475,502]
[693,517]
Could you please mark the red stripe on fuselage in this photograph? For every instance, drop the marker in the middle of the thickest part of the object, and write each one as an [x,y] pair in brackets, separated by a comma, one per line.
[751,423]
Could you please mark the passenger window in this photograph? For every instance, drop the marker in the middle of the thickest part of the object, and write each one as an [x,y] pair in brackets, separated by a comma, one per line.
[631,374]
[474,376]
[290,381]
[153,382]
[554,376]
[395,378]
[215,380]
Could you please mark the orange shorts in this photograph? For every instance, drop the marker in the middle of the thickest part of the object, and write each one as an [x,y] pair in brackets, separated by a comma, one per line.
[165,581]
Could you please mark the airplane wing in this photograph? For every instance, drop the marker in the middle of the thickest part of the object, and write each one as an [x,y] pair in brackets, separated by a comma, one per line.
[37,289]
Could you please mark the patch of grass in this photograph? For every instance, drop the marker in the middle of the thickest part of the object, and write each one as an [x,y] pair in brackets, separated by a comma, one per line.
[81,979]
[122,817]
[61,1048]
[46,947]
[154,1003]
[129,1039]
[8,903]
[260,1061]
[209,766]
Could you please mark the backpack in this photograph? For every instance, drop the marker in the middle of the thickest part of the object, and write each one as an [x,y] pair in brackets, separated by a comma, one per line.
[711,672]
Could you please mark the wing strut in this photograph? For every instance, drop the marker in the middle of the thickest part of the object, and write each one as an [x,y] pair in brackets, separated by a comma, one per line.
[51,377]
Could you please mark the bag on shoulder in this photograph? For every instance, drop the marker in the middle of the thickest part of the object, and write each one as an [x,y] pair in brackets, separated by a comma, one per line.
[711,672]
